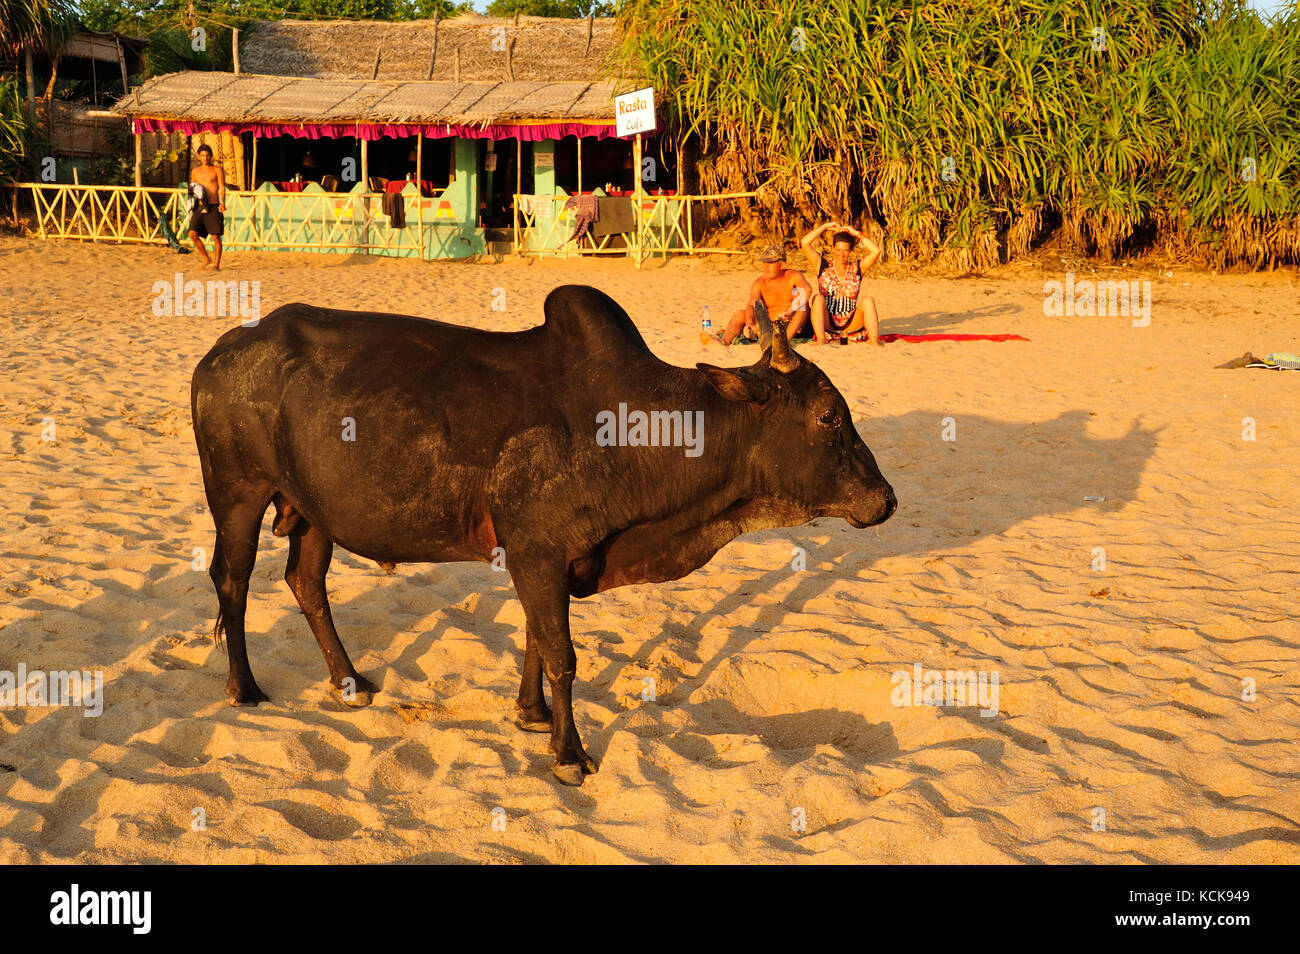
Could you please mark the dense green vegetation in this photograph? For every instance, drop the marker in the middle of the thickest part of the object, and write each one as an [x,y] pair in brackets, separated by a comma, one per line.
[959,130]
[969,131]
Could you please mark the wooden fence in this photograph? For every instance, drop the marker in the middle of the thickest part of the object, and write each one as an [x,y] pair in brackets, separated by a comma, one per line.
[662,225]
[104,213]
[318,221]
[309,221]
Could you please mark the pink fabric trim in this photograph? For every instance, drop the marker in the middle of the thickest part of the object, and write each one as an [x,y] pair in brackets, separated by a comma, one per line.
[527,133]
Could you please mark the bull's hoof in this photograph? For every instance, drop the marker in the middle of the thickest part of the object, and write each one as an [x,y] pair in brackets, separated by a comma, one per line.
[574,754]
[533,718]
[248,695]
[356,693]
[355,700]
[569,773]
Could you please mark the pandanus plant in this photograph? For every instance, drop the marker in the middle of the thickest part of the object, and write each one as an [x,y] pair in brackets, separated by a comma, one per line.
[968,131]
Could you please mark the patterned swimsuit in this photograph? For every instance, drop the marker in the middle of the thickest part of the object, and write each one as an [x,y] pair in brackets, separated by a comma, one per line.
[841,294]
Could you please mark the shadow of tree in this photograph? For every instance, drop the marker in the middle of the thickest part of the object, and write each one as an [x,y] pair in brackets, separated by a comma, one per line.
[938,322]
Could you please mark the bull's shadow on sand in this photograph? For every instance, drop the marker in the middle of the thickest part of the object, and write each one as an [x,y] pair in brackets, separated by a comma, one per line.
[1005,473]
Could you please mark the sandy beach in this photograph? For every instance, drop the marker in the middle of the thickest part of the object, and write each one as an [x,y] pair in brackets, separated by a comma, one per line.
[1161,689]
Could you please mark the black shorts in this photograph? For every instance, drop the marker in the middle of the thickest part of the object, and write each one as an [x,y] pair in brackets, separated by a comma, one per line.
[207,220]
[839,320]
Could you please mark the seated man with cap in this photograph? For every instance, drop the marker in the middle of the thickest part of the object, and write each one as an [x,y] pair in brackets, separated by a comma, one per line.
[785,292]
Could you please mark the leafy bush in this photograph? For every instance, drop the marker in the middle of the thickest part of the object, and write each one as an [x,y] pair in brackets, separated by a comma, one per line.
[968,131]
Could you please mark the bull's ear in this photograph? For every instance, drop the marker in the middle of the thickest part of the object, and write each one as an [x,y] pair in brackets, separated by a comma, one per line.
[738,385]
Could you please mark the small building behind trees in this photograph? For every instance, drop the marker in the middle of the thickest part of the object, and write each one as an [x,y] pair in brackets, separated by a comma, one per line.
[69,89]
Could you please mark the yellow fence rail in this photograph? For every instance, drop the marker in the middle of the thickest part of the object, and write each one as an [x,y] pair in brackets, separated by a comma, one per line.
[663,225]
[543,227]
[103,213]
[352,222]
[310,221]
[671,224]
[319,221]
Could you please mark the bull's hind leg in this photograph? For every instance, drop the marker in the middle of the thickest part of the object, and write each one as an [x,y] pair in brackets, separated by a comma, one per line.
[309,560]
[534,714]
[542,585]
[233,556]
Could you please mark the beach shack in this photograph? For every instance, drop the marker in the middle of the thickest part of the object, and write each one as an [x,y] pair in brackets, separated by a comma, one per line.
[408,138]
[100,64]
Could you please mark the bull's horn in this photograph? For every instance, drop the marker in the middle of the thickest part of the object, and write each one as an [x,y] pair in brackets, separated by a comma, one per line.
[772,336]
[764,325]
[783,357]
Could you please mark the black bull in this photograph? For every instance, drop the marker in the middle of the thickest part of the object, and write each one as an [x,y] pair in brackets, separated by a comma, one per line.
[406,440]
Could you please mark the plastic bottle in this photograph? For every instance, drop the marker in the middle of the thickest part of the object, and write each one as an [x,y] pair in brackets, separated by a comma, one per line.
[706,327]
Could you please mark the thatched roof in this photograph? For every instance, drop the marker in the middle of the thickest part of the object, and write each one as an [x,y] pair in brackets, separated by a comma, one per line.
[545,49]
[102,45]
[226,98]
[83,45]
[541,69]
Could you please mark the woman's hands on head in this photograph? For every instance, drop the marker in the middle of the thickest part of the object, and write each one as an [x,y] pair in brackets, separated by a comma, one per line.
[812,236]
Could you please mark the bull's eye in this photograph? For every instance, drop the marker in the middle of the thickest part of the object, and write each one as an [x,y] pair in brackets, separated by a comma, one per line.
[827,418]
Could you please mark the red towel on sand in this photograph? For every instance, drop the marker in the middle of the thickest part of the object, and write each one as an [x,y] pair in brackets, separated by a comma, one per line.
[915,338]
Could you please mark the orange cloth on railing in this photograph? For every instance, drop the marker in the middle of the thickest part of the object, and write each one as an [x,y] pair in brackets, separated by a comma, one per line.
[585,212]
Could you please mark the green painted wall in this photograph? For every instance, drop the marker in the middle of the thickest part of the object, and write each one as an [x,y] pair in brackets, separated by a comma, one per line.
[449,220]
[463,191]
[544,175]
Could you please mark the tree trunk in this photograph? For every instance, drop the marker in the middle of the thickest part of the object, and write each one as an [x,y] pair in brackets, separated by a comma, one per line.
[31,85]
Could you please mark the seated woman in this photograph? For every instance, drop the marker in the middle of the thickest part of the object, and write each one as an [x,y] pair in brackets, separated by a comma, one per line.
[840,307]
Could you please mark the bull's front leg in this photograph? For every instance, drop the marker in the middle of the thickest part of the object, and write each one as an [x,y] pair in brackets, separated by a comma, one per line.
[542,585]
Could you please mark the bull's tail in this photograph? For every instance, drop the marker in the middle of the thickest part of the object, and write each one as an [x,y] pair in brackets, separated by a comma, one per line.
[219,630]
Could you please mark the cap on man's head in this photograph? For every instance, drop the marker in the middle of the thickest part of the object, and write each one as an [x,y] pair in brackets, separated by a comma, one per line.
[773,253]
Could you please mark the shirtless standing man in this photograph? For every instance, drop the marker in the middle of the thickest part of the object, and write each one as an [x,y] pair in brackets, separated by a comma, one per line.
[785,292]
[208,217]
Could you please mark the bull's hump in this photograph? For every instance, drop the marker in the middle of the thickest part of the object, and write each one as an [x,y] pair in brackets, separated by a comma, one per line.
[592,321]
[312,319]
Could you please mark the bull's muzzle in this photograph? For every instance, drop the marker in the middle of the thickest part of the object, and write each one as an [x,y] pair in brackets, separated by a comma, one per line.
[879,508]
